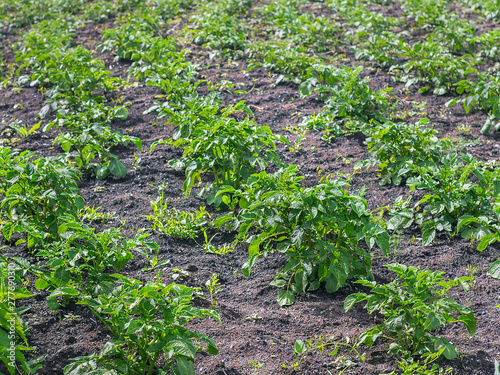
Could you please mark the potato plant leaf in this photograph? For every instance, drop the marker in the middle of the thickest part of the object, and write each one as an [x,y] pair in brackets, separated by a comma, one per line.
[285,298]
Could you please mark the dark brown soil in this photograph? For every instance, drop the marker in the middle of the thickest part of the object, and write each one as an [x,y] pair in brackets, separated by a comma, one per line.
[263,346]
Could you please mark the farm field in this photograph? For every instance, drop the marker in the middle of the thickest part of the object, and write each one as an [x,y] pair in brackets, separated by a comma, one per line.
[250,187]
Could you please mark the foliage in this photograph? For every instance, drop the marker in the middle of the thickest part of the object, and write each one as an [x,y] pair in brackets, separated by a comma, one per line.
[413,306]
[12,328]
[411,367]
[232,150]
[322,247]
[348,100]
[175,223]
[483,93]
[393,145]
[37,193]
[147,324]
[453,195]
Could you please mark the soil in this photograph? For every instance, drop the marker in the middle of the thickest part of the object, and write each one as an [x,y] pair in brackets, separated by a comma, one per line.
[264,345]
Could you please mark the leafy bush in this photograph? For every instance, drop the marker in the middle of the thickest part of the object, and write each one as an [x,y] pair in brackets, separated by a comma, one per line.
[430,62]
[12,328]
[147,323]
[393,145]
[347,98]
[484,94]
[230,149]
[76,264]
[318,228]
[453,195]
[41,191]
[413,306]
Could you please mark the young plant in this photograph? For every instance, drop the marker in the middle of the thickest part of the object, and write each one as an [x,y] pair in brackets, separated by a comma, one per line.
[457,189]
[301,349]
[411,367]
[317,228]
[13,331]
[230,149]
[393,145]
[147,324]
[413,306]
[348,99]
[213,287]
[175,223]
[41,191]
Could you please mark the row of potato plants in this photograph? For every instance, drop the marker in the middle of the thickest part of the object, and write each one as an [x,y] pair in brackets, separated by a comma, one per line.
[42,207]
[449,58]
[75,86]
[318,228]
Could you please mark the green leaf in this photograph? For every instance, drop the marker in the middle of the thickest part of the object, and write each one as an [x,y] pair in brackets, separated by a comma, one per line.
[428,236]
[300,347]
[433,321]
[183,366]
[352,299]
[247,266]
[383,242]
[64,291]
[495,270]
[285,298]
[41,284]
[117,168]
[102,172]
[497,368]
[470,322]
[185,349]
[120,113]
[449,350]
[253,249]
[62,275]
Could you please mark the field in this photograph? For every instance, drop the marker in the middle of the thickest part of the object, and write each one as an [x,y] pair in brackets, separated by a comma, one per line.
[250,187]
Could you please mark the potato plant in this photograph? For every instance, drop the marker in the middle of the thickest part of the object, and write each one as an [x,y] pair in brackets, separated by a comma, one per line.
[452,193]
[13,331]
[393,145]
[39,193]
[413,306]
[317,228]
[147,323]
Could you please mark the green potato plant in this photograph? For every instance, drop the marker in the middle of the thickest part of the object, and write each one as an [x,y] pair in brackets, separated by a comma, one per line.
[146,321]
[348,100]
[76,265]
[40,192]
[393,145]
[13,331]
[453,195]
[175,223]
[413,306]
[317,228]
[230,149]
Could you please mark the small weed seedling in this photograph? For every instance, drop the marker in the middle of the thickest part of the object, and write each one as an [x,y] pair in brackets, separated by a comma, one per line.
[213,287]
